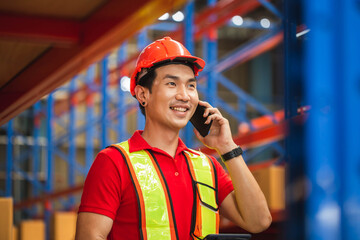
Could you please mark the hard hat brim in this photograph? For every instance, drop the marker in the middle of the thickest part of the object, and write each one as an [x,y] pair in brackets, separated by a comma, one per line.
[197,64]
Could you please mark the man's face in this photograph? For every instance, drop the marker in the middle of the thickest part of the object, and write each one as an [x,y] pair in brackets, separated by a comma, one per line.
[174,97]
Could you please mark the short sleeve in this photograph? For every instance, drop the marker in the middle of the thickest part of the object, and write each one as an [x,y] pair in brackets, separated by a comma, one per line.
[101,193]
[225,185]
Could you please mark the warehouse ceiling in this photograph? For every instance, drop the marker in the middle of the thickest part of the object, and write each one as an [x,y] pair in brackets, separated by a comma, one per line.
[44,43]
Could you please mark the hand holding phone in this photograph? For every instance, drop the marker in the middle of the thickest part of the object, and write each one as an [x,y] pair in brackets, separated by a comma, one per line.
[198,120]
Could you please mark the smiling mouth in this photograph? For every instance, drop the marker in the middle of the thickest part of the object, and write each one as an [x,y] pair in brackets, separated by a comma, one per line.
[179,109]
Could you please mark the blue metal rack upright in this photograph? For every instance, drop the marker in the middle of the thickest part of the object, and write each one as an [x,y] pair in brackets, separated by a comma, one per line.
[333,130]
[294,143]
[9,159]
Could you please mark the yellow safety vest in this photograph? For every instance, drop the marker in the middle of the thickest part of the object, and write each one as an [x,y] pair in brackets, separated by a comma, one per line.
[156,218]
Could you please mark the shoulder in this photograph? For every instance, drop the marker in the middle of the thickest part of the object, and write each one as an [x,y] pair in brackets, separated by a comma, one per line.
[111,153]
[108,158]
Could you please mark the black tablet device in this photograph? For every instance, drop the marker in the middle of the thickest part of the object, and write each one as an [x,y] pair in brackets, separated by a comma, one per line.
[228,236]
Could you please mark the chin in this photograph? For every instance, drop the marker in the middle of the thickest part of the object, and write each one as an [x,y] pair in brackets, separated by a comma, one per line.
[180,125]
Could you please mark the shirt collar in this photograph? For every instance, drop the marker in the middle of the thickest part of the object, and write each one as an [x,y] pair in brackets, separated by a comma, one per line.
[137,143]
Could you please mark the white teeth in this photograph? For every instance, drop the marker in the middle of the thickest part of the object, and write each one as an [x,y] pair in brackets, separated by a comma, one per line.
[180,109]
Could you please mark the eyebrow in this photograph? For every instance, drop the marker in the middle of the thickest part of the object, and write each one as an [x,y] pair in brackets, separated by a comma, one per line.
[178,78]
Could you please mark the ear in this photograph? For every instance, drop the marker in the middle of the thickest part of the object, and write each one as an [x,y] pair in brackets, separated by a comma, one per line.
[141,93]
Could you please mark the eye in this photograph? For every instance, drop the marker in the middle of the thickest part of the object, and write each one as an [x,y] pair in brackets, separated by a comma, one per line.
[171,83]
[192,85]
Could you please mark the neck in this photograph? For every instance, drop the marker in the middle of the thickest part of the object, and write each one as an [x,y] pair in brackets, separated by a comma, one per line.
[164,139]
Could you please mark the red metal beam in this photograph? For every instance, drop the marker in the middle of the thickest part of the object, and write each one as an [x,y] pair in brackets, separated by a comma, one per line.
[48,197]
[218,15]
[101,32]
[223,13]
[257,138]
[271,133]
[39,29]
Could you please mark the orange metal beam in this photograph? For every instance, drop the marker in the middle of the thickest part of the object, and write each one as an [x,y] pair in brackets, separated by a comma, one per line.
[101,32]
[40,29]
[223,13]
[271,133]
[257,138]
[48,197]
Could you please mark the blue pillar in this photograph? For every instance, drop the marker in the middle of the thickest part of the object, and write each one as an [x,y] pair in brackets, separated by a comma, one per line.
[141,43]
[90,135]
[36,184]
[49,186]
[104,102]
[294,142]
[333,131]
[36,148]
[121,123]
[349,104]
[9,159]
[72,139]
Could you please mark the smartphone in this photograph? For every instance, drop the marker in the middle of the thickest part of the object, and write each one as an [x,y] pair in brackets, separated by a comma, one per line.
[199,121]
[222,236]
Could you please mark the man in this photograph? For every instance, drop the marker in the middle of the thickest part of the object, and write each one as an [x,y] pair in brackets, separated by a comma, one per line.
[152,186]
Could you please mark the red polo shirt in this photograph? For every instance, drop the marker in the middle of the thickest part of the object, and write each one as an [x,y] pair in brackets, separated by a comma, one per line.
[109,191]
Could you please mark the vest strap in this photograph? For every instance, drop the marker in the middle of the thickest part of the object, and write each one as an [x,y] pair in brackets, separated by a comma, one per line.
[206,209]
[155,206]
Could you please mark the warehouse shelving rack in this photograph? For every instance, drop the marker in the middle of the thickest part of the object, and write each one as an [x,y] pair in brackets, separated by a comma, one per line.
[107,111]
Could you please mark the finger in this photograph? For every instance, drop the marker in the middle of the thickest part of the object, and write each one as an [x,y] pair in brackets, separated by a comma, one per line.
[211,118]
[213,112]
[215,117]
[205,104]
[209,110]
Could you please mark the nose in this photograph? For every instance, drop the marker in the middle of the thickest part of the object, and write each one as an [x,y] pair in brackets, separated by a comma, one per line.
[182,94]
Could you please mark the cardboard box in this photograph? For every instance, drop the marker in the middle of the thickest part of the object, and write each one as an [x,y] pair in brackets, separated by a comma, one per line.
[63,226]
[32,230]
[272,182]
[6,218]
[15,233]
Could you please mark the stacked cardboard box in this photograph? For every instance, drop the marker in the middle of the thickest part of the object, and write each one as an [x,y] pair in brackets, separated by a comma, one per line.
[15,233]
[32,230]
[272,182]
[63,226]
[6,218]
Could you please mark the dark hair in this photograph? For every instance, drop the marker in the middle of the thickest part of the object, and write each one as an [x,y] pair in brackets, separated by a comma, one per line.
[147,81]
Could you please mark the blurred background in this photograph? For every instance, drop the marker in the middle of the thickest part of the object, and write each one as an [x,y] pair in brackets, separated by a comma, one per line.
[286,73]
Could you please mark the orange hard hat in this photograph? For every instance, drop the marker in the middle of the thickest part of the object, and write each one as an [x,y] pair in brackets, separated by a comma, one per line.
[162,51]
